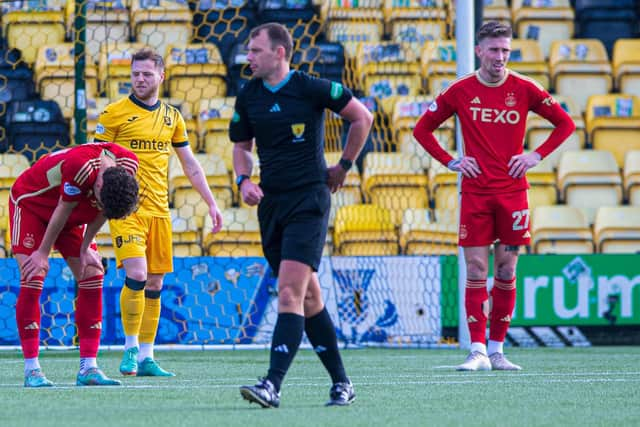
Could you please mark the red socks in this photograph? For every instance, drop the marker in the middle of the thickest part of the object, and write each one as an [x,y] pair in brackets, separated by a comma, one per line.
[503,294]
[28,316]
[476,300]
[89,315]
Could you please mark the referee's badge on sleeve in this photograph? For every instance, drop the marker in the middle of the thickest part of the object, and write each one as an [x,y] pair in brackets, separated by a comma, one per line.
[336,90]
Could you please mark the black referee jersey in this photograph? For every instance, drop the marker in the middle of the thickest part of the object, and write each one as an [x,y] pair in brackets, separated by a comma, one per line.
[287,122]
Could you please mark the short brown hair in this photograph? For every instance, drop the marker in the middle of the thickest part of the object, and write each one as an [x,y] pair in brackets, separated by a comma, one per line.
[493,29]
[278,34]
[148,54]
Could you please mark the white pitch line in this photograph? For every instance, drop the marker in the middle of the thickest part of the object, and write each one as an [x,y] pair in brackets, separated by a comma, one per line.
[427,382]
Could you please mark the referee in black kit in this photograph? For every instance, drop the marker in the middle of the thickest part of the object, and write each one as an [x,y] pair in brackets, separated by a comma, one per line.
[283,111]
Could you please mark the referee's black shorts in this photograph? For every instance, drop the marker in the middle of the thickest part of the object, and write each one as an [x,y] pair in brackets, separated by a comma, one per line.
[293,225]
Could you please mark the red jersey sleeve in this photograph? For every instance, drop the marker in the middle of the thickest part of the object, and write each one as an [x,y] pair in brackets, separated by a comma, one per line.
[437,113]
[546,106]
[78,173]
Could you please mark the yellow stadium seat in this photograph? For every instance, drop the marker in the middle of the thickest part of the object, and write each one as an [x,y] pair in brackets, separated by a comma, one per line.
[415,22]
[54,73]
[613,124]
[114,68]
[352,31]
[527,58]
[539,129]
[195,72]
[214,115]
[388,69]
[544,21]
[588,179]
[217,176]
[626,66]
[186,234]
[95,106]
[542,182]
[239,237]
[617,229]
[560,230]
[27,29]
[364,230]
[580,68]
[333,128]
[420,235]
[631,174]
[438,65]
[105,242]
[11,166]
[496,10]
[350,193]
[443,185]
[395,181]
[160,23]
[406,112]
[106,22]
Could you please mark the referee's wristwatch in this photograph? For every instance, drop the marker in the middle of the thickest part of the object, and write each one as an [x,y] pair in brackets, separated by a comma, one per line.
[240,179]
[345,164]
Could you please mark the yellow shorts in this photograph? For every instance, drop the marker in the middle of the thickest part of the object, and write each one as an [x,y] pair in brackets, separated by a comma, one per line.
[144,236]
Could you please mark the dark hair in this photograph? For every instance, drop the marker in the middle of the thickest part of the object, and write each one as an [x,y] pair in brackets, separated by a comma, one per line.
[119,193]
[148,54]
[493,29]
[278,34]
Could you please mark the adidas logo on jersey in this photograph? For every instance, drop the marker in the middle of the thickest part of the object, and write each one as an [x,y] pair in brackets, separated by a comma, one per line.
[526,235]
[32,325]
[282,348]
[475,100]
[275,108]
[506,318]
[471,319]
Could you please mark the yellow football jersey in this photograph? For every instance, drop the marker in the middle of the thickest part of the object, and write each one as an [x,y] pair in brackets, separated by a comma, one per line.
[150,132]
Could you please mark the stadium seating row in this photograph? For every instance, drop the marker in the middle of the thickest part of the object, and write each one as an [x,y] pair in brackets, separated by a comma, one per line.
[367,229]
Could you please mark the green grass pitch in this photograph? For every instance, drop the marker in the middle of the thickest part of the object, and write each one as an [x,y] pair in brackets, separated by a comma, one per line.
[395,387]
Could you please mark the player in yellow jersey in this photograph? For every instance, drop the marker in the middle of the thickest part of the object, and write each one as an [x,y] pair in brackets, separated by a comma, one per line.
[143,242]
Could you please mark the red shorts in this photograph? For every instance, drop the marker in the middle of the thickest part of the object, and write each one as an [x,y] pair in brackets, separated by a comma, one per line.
[485,218]
[27,231]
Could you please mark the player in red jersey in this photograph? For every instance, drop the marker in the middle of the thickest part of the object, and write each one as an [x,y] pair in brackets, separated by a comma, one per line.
[492,106]
[62,201]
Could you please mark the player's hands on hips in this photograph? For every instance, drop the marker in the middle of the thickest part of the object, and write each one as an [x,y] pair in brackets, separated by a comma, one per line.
[521,163]
[466,165]
[251,192]
[36,263]
[216,217]
[336,176]
[91,258]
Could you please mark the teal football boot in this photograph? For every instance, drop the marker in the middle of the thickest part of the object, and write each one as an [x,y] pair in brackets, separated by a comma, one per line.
[35,378]
[129,364]
[94,376]
[150,368]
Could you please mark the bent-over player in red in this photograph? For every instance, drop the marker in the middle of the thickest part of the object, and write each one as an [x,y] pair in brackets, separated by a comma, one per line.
[61,202]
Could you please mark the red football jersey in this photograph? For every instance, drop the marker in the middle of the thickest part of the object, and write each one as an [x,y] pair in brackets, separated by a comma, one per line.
[493,119]
[68,174]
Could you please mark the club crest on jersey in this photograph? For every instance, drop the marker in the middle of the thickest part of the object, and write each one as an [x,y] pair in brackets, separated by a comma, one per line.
[167,120]
[510,100]
[433,107]
[71,190]
[336,90]
[99,129]
[298,132]
[235,118]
